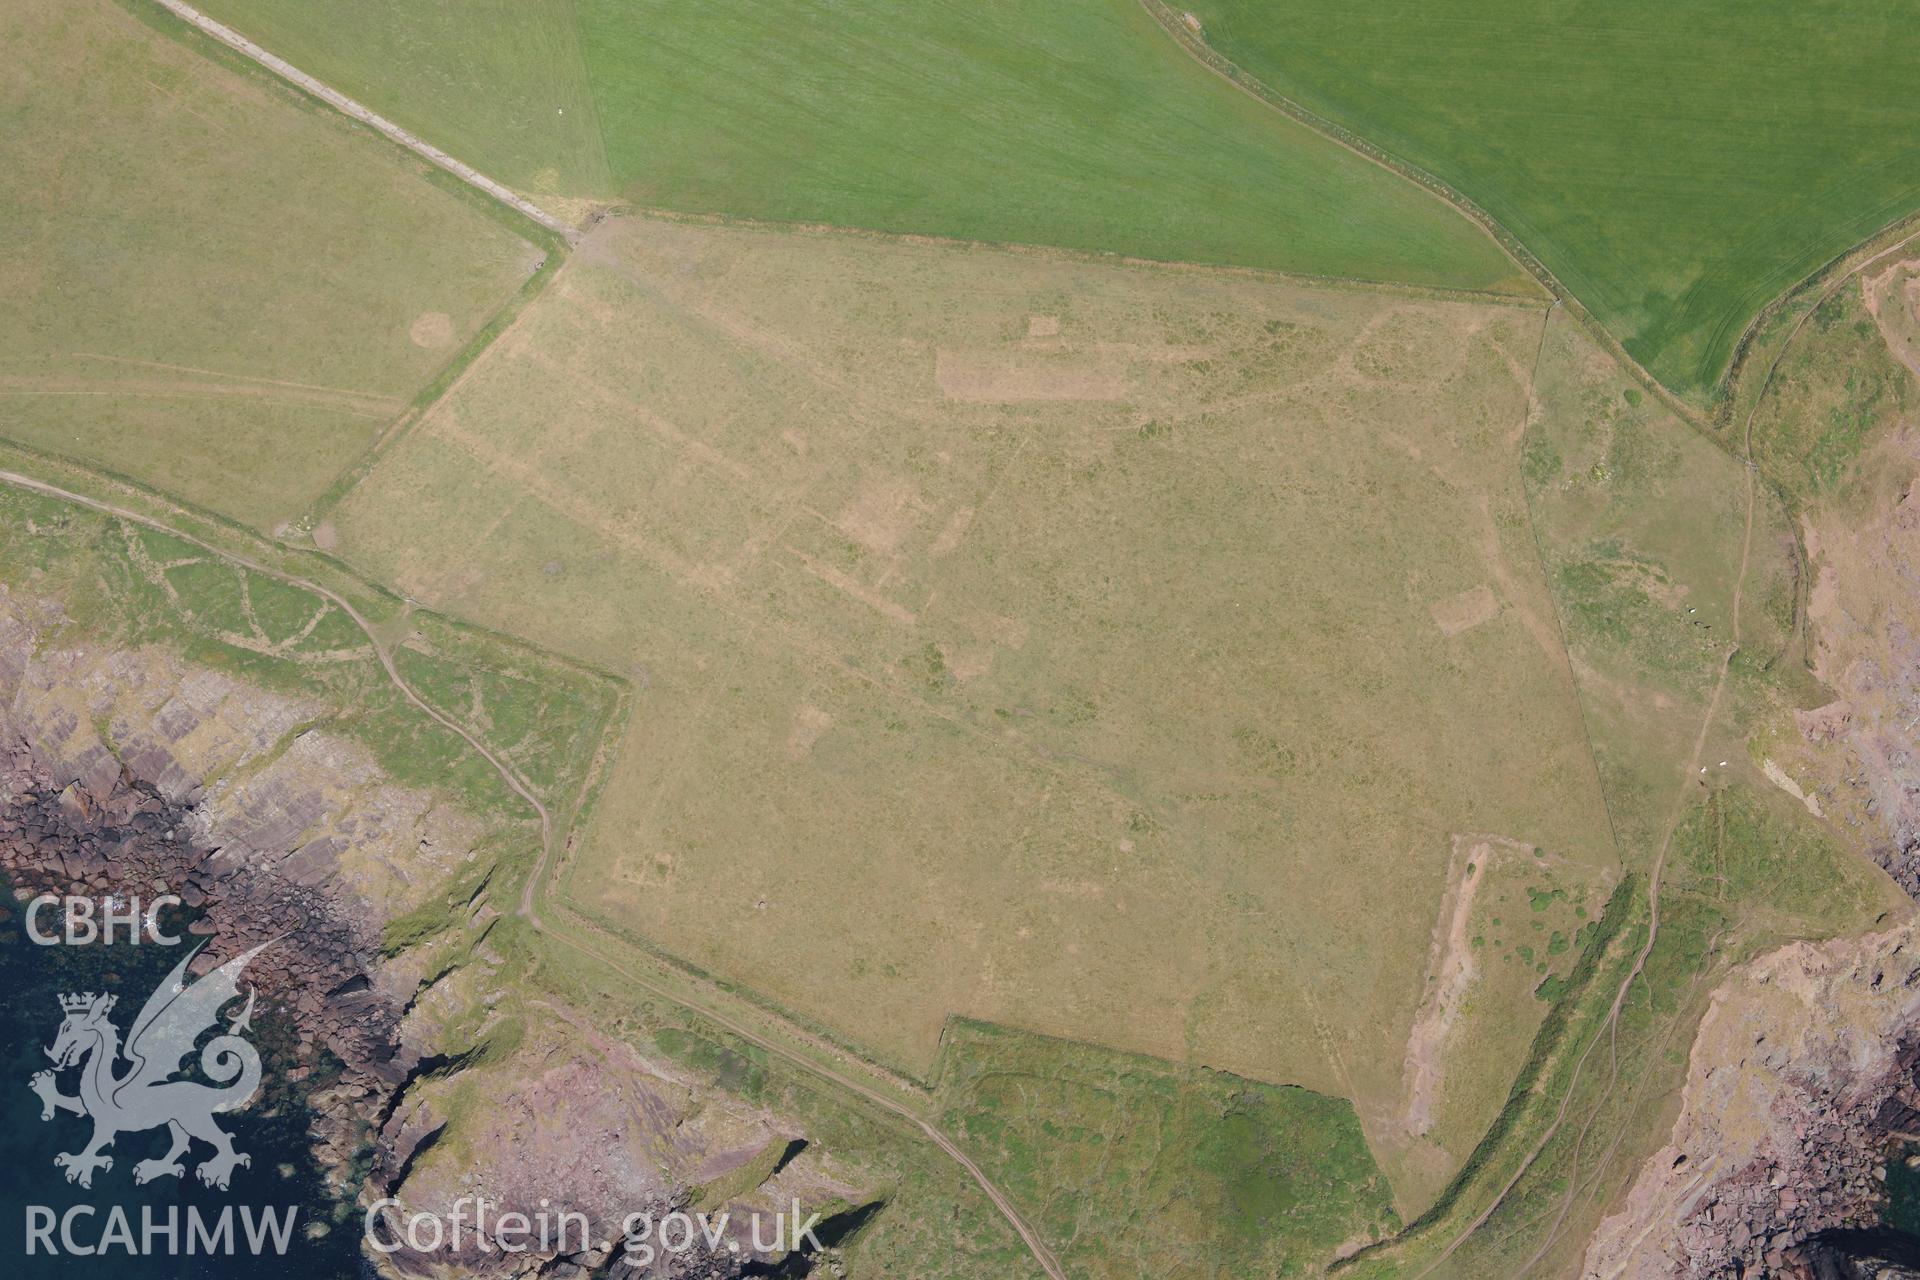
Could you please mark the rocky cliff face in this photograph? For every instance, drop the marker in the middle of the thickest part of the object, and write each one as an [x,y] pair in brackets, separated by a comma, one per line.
[640,1137]
[124,840]
[1863,748]
[1804,1075]
[132,773]
[1805,1067]
[263,785]
[105,794]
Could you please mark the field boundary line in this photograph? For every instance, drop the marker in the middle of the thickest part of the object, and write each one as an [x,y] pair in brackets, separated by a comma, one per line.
[499,327]
[1194,41]
[1409,1233]
[366,115]
[1560,622]
[1037,1247]
[1028,1236]
[1192,38]
[1753,477]
[757,1003]
[1863,256]
[1610,1025]
[1088,257]
[1875,246]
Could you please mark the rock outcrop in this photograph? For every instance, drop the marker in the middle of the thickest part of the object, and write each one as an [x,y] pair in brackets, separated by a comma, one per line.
[132,773]
[122,840]
[1861,751]
[1805,1071]
[1804,1081]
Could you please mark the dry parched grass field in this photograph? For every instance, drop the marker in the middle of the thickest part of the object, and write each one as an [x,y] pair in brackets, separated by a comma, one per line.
[208,283]
[1192,720]
[1117,652]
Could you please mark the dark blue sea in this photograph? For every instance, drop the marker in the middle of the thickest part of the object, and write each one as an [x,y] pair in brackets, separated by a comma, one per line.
[283,1178]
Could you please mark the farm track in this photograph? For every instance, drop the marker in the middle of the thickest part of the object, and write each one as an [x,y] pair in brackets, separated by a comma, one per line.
[366,115]
[571,235]
[527,908]
[1653,889]
[1609,1028]
[1194,42]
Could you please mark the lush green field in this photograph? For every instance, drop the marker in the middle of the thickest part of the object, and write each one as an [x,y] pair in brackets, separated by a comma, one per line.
[936,1224]
[498,83]
[1676,165]
[1072,123]
[207,282]
[1139,1168]
[1075,124]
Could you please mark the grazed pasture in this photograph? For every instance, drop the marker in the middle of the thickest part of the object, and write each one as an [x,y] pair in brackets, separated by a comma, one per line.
[1141,1168]
[1108,651]
[208,283]
[1643,525]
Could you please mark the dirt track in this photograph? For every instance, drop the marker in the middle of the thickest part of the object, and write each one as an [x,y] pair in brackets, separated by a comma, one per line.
[1041,1253]
[473,177]
[367,116]
[1611,1025]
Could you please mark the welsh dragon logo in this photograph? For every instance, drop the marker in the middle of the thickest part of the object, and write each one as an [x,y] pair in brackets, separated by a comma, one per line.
[145,1096]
